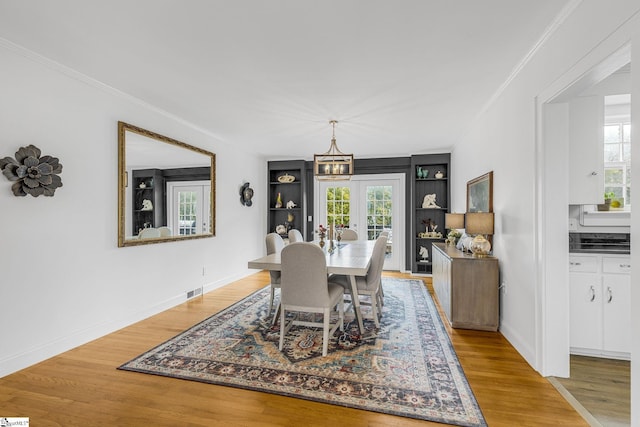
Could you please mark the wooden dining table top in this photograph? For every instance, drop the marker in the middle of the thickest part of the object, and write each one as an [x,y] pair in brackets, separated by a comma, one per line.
[350,258]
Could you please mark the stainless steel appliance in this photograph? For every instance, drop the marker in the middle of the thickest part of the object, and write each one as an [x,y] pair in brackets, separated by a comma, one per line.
[605,243]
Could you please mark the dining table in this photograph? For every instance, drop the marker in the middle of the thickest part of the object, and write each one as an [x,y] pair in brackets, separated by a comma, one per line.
[350,258]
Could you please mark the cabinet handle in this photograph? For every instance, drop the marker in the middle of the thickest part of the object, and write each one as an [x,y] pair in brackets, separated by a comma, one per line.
[575,263]
[625,265]
[610,293]
[593,294]
[594,173]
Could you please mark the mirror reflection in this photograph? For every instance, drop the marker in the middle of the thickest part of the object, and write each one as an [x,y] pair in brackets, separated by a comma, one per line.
[166,188]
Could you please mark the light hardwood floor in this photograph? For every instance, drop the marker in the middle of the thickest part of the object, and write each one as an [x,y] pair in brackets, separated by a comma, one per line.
[82,387]
[602,387]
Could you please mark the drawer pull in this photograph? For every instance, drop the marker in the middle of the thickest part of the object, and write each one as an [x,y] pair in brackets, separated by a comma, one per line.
[625,265]
[593,294]
[575,263]
[610,293]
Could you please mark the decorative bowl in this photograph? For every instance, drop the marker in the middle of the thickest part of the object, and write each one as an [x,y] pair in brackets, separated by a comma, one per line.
[286,178]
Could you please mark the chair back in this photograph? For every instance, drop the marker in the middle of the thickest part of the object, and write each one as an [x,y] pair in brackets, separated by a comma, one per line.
[304,275]
[295,236]
[349,234]
[149,233]
[164,231]
[274,245]
[377,262]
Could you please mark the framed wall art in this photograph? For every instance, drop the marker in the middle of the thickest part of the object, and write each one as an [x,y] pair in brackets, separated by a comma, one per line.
[480,193]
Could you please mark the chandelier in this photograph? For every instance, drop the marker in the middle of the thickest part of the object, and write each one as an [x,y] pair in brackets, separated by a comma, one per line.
[333,165]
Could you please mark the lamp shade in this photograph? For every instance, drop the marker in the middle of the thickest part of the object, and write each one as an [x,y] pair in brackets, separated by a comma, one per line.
[479,222]
[453,221]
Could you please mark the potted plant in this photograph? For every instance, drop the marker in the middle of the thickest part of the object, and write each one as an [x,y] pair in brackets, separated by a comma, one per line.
[608,196]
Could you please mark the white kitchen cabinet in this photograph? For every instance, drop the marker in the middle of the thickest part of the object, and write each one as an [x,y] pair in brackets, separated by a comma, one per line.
[616,289]
[600,311]
[586,150]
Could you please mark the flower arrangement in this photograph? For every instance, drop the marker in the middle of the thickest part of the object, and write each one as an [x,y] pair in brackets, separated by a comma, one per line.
[322,231]
[453,236]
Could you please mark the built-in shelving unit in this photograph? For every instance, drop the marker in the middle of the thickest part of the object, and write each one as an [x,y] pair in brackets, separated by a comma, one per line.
[426,179]
[287,179]
[148,184]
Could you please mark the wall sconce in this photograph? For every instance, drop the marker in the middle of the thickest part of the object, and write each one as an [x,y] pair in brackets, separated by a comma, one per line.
[480,224]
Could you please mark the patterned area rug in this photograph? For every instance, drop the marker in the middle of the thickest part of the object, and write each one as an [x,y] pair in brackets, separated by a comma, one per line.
[408,367]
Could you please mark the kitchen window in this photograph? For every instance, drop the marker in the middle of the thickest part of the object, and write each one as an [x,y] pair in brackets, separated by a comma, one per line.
[617,161]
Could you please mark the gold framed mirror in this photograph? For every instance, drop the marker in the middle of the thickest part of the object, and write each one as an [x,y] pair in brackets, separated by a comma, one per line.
[166,188]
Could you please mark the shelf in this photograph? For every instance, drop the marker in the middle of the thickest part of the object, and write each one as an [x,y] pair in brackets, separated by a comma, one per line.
[284,209]
[422,186]
[284,183]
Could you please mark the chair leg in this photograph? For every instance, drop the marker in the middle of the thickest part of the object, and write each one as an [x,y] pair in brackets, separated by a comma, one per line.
[282,331]
[274,319]
[374,309]
[341,314]
[273,291]
[325,331]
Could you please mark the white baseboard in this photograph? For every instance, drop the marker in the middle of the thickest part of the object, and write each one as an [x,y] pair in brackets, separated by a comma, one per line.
[18,361]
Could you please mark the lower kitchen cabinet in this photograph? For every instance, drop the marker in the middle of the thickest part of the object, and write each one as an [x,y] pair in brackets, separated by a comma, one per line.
[600,310]
[467,288]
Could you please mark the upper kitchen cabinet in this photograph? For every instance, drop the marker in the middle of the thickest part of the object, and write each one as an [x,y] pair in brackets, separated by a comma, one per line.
[586,139]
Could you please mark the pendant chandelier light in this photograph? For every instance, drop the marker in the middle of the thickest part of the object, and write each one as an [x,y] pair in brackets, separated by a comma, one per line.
[333,165]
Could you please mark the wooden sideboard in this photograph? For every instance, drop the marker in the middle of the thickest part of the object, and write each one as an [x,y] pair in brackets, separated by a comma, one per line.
[467,288]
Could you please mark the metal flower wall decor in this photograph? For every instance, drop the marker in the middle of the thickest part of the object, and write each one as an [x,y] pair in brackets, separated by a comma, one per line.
[32,174]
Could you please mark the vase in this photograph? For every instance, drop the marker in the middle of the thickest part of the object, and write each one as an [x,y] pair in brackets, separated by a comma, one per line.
[279,201]
[419,172]
[321,243]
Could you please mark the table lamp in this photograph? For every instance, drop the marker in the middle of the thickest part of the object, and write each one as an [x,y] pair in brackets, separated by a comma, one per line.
[480,224]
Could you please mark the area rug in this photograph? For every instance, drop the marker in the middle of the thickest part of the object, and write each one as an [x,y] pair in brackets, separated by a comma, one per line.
[407,367]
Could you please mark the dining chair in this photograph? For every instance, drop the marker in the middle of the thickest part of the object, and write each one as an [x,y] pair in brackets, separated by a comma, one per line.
[274,245]
[349,234]
[149,233]
[295,236]
[164,231]
[371,284]
[304,288]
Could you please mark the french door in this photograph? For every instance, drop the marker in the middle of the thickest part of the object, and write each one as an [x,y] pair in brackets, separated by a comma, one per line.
[369,205]
[186,208]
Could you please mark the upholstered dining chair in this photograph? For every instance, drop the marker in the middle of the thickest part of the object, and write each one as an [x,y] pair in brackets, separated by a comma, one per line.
[349,234]
[295,236]
[274,245]
[164,231]
[149,233]
[304,288]
[371,284]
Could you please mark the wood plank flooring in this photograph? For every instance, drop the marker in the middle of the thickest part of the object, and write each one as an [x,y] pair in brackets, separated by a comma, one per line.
[82,387]
[602,387]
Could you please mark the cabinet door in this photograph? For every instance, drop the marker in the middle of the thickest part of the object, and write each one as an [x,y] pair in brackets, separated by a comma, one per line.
[585,305]
[616,290]
[442,281]
[586,150]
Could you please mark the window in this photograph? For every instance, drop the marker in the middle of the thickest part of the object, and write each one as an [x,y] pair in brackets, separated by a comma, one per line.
[617,161]
[379,210]
[617,149]
[338,205]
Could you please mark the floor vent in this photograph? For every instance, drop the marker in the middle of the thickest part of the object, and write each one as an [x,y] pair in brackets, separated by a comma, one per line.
[194,293]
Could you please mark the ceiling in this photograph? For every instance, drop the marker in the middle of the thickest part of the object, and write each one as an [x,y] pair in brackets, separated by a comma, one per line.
[266,76]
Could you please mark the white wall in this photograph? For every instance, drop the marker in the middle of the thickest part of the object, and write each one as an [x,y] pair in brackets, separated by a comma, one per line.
[503,139]
[63,280]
